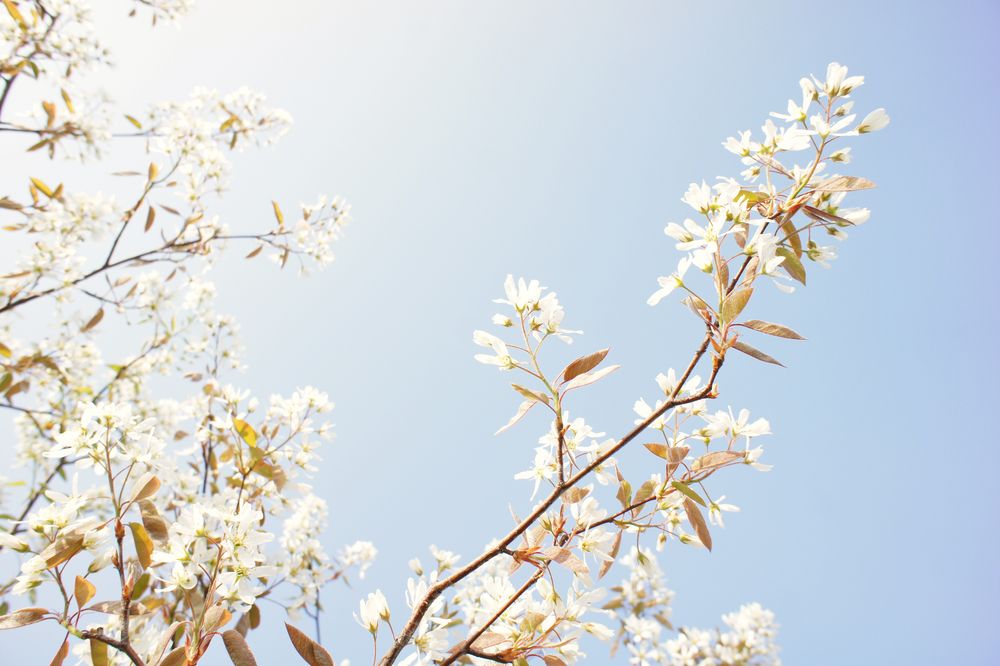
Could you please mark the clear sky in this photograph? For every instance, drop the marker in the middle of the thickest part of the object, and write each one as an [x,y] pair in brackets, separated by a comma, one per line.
[554,140]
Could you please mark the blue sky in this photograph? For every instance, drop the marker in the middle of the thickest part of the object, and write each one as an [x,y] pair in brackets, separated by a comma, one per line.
[554,140]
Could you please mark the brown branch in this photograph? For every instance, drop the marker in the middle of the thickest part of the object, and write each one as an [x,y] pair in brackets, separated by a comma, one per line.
[464,646]
[434,591]
[124,648]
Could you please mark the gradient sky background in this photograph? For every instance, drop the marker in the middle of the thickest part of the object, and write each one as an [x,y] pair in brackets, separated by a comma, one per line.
[554,140]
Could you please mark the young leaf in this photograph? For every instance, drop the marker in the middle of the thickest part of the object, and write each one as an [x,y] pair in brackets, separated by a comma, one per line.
[659,450]
[239,651]
[215,617]
[522,409]
[155,525]
[698,522]
[687,491]
[589,378]
[787,225]
[624,494]
[823,216]
[61,655]
[313,653]
[487,640]
[93,321]
[575,494]
[84,591]
[776,330]
[22,618]
[675,455]
[843,184]
[4,350]
[756,353]
[146,488]
[176,657]
[716,459]
[566,558]
[583,364]
[62,549]
[42,187]
[150,218]
[278,215]
[615,546]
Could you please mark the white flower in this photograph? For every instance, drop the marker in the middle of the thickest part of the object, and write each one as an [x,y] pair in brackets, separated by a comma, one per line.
[521,295]
[671,282]
[874,121]
[716,508]
[698,197]
[501,357]
[838,83]
[371,610]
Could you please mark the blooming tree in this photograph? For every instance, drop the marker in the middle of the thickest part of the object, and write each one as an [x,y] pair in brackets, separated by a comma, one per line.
[160,503]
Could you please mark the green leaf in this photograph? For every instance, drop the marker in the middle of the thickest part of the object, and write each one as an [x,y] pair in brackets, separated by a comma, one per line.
[278,215]
[776,330]
[687,491]
[143,544]
[308,649]
[246,431]
[734,304]
[41,187]
[99,653]
[753,197]
[792,264]
[531,395]
[15,14]
[644,492]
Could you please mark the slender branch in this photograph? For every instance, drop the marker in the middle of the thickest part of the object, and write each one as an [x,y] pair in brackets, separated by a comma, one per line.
[124,648]
[464,646]
[438,588]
